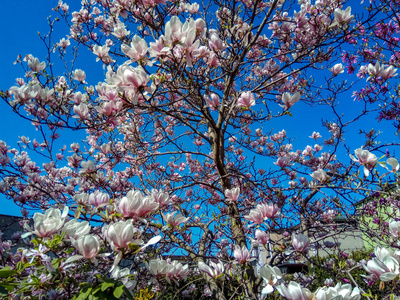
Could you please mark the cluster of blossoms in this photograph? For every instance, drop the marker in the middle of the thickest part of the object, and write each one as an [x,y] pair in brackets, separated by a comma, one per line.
[162,269]
[179,149]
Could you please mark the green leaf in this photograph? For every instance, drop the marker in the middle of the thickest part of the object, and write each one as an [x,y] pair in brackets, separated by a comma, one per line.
[5,288]
[106,285]
[84,294]
[6,272]
[118,291]
[56,263]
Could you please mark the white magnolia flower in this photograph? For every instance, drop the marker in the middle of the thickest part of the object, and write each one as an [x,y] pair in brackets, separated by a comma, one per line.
[342,17]
[319,175]
[294,291]
[384,266]
[337,69]
[48,223]
[339,292]
[289,100]
[366,159]
[212,269]
[174,220]
[271,276]
[300,242]
[74,229]
[394,228]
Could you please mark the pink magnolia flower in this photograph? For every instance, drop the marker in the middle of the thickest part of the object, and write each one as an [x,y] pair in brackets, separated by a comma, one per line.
[177,271]
[374,71]
[123,276]
[34,64]
[135,77]
[88,167]
[300,242]
[366,159]
[64,43]
[394,228]
[389,72]
[383,267]
[157,267]
[173,30]
[200,26]
[193,8]
[102,53]
[242,255]
[138,49]
[283,162]
[39,253]
[88,245]
[315,135]
[174,220]
[134,204]
[121,234]
[289,100]
[212,269]
[158,50]
[271,276]
[262,237]
[99,199]
[345,292]
[246,100]
[337,69]
[82,111]
[393,163]
[269,210]
[342,16]
[214,102]
[215,43]
[255,216]
[162,198]
[232,194]
[79,75]
[120,31]
[170,270]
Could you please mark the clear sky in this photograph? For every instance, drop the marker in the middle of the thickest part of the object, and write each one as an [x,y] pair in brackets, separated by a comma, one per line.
[19,24]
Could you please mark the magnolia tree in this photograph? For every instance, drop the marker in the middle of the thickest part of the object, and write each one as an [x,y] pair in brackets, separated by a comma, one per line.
[181,175]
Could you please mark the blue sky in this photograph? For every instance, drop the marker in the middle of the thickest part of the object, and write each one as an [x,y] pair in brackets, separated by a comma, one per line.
[20,22]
